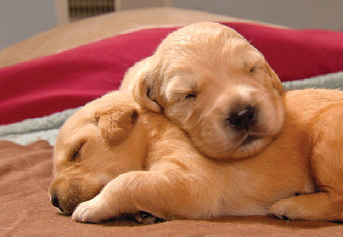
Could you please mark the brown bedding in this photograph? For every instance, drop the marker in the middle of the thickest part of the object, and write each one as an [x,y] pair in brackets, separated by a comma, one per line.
[25,174]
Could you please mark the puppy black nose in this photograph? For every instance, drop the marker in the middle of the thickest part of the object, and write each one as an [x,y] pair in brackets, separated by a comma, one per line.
[54,201]
[243,119]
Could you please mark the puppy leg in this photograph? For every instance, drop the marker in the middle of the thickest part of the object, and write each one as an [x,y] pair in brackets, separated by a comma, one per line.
[317,206]
[327,167]
[167,194]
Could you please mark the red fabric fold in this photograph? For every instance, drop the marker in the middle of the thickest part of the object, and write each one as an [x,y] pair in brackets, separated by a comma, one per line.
[71,78]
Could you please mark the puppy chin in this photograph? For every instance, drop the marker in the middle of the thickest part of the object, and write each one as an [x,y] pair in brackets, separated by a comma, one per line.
[251,146]
[234,148]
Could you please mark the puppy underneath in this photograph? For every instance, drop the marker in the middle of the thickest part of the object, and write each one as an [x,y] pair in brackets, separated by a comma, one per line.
[87,156]
[112,158]
[208,80]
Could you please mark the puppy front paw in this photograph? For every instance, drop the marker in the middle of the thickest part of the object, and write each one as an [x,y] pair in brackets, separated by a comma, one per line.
[286,209]
[92,211]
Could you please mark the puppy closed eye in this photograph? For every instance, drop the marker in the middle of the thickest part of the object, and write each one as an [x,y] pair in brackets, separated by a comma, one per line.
[76,156]
[251,67]
[183,96]
[252,70]
[191,96]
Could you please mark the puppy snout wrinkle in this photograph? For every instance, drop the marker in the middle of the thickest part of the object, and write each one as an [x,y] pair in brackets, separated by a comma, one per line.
[243,119]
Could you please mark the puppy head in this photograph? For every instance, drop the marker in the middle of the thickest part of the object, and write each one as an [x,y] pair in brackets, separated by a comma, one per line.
[95,145]
[217,87]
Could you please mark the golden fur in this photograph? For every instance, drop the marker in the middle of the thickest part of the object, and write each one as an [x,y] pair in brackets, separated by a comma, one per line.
[202,73]
[202,76]
[92,148]
[155,169]
[287,161]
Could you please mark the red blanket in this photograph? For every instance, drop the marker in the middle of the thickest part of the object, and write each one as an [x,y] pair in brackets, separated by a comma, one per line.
[71,78]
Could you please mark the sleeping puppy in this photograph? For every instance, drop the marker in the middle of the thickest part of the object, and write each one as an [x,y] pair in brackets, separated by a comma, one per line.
[208,80]
[211,82]
[112,158]
[90,150]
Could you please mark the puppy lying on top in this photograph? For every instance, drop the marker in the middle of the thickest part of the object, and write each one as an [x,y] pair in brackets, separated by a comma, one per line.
[111,157]
[125,160]
[237,144]
[209,81]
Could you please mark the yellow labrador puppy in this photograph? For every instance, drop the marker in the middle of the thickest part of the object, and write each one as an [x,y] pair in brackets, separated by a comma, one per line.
[112,157]
[92,148]
[211,82]
[208,80]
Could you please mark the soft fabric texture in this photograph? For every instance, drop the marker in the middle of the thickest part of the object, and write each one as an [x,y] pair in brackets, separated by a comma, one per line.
[73,77]
[25,173]
[47,127]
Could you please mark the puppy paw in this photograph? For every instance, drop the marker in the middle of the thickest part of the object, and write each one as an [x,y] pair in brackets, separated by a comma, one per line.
[286,209]
[92,211]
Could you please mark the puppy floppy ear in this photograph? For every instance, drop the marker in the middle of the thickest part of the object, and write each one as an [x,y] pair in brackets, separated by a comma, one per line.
[146,88]
[275,80]
[116,125]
